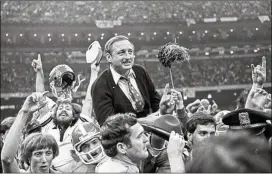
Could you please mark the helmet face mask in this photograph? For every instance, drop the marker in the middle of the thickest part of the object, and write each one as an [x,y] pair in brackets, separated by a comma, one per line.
[86,141]
[88,155]
[60,93]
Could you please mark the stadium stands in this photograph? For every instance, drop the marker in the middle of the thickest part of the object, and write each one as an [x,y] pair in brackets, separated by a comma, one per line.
[80,12]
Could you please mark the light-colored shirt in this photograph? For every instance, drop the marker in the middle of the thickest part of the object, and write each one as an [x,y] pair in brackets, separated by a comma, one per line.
[124,85]
[79,167]
[113,165]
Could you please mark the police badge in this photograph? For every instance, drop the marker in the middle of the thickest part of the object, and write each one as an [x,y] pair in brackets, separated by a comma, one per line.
[244,119]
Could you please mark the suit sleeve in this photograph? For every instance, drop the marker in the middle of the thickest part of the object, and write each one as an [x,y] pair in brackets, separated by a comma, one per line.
[102,102]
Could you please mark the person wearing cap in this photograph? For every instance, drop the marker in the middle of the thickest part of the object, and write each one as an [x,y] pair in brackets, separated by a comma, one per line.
[200,126]
[123,87]
[124,142]
[249,120]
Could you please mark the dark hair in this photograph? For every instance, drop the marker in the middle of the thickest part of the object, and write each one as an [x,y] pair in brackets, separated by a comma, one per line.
[231,153]
[116,129]
[76,109]
[37,141]
[6,124]
[199,118]
[111,41]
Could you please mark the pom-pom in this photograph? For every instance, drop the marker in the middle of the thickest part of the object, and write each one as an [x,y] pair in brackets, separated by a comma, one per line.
[172,52]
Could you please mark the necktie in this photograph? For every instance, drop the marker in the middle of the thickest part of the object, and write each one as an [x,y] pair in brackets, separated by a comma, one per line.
[137,99]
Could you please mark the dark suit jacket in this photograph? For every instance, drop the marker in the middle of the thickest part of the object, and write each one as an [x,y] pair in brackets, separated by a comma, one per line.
[109,99]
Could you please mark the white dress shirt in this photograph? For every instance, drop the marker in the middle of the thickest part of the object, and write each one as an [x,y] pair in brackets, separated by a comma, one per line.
[124,85]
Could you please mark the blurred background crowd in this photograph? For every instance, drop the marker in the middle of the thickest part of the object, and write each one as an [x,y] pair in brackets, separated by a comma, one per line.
[203,72]
[82,12]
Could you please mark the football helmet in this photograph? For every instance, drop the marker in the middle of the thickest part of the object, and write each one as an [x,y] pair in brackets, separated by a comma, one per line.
[86,141]
[62,80]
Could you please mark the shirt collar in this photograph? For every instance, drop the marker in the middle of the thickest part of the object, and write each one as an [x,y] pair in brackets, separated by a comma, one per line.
[116,76]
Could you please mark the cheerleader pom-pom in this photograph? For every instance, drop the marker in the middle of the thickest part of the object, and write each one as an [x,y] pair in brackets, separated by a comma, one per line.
[172,52]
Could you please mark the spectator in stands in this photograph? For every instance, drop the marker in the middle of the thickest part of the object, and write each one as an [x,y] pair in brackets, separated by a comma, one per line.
[16,74]
[128,12]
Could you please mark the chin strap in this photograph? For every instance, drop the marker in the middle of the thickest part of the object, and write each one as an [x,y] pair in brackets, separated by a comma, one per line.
[54,91]
[75,88]
[66,94]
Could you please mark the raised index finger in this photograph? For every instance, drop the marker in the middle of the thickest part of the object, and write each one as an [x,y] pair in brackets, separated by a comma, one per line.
[166,89]
[39,57]
[263,62]
[264,65]
[252,68]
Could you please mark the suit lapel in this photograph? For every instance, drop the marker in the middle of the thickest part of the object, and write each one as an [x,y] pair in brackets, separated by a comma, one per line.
[115,87]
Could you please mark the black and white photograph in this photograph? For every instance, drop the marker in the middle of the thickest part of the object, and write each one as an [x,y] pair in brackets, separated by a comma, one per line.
[136,86]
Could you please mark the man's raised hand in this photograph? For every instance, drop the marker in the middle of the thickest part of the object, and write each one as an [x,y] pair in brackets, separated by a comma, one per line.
[259,73]
[34,102]
[37,64]
[166,105]
[257,99]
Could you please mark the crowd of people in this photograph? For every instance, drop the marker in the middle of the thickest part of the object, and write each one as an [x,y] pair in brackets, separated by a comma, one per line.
[203,72]
[82,12]
[125,126]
